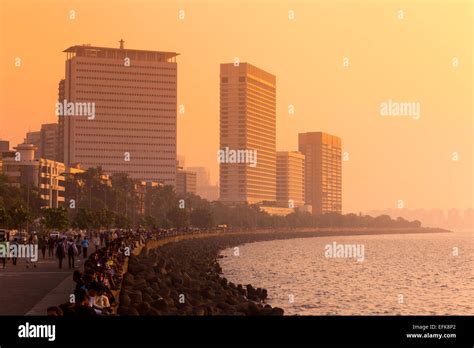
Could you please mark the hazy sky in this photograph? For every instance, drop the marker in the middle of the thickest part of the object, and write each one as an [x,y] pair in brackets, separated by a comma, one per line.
[391,158]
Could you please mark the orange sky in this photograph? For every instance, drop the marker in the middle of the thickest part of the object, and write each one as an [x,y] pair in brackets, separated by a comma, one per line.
[409,60]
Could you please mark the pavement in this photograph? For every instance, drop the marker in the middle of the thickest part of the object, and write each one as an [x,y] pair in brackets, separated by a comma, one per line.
[28,290]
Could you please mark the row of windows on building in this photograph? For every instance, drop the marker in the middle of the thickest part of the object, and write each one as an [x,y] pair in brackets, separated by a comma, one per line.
[129,108]
[121,151]
[88,63]
[172,124]
[121,157]
[123,143]
[171,82]
[122,101]
[97,85]
[126,94]
[132,129]
[124,136]
[115,72]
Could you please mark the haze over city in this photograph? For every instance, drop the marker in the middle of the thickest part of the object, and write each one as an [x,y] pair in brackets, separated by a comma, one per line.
[387,58]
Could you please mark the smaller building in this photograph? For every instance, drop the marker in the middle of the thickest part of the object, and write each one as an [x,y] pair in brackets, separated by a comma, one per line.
[290,179]
[4,146]
[47,176]
[34,138]
[186,182]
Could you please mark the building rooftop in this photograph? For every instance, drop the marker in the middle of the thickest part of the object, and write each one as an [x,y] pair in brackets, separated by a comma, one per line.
[118,53]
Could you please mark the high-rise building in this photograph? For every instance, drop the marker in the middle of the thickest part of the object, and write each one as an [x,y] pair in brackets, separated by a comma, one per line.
[185,182]
[323,171]
[46,141]
[118,111]
[202,175]
[203,183]
[290,179]
[49,141]
[247,153]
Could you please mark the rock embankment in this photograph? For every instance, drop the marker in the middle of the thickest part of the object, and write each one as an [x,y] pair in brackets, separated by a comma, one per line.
[184,278]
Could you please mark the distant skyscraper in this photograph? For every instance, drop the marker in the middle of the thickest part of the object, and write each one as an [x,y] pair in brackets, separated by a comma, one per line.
[247,134]
[290,179]
[127,99]
[203,183]
[34,138]
[49,141]
[323,171]
[185,182]
[4,146]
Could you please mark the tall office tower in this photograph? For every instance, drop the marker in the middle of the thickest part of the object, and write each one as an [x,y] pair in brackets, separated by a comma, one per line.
[185,182]
[323,171]
[49,141]
[290,179]
[247,134]
[124,107]
[202,175]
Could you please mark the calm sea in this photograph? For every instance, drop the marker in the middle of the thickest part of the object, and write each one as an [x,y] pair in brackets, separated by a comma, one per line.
[417,274]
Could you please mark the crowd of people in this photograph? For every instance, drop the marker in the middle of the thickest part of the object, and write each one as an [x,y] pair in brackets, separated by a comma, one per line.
[6,254]
[102,274]
[95,286]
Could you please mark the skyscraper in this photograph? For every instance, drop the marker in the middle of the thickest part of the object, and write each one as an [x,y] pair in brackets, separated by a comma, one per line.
[323,171]
[119,111]
[49,141]
[247,134]
[290,179]
[185,182]
[203,183]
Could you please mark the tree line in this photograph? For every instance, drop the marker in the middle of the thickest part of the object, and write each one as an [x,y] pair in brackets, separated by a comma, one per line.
[91,202]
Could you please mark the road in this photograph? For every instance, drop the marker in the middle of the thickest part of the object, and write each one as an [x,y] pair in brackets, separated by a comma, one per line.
[22,287]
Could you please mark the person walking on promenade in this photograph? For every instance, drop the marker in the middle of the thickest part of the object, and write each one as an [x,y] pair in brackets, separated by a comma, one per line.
[32,242]
[15,254]
[96,243]
[61,251]
[71,252]
[4,252]
[79,244]
[51,246]
[85,246]
[42,246]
